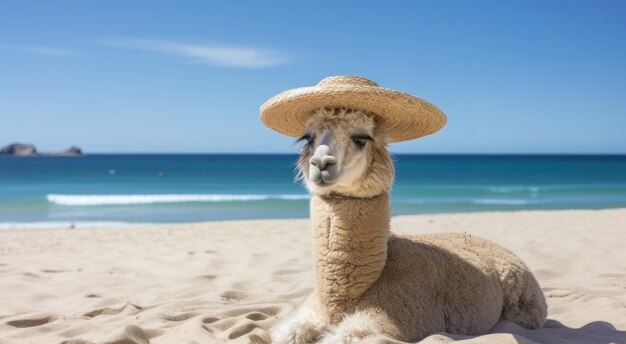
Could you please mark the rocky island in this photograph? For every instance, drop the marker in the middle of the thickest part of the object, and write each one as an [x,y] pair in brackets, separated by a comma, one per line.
[22,149]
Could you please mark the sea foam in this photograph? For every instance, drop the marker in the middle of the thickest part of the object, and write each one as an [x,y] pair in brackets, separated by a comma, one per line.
[497,201]
[93,200]
[66,224]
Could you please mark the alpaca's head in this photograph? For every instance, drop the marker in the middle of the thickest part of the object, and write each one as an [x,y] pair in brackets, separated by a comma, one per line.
[345,153]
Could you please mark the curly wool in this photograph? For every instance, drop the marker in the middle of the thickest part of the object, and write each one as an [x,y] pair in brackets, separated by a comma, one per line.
[412,286]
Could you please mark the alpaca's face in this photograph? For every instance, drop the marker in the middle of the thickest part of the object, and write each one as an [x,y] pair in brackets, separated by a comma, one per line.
[345,153]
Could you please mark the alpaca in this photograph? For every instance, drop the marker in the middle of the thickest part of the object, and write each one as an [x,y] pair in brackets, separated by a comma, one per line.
[369,281]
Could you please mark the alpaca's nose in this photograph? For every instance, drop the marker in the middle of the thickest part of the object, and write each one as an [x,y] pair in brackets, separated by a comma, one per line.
[323,162]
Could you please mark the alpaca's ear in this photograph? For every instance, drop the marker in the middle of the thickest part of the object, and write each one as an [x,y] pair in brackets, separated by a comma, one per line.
[378,123]
[384,139]
[382,162]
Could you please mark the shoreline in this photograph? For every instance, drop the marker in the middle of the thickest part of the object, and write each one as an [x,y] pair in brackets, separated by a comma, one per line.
[230,281]
[63,225]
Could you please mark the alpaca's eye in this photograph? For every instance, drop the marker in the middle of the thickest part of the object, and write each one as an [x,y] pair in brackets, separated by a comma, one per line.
[361,141]
[307,139]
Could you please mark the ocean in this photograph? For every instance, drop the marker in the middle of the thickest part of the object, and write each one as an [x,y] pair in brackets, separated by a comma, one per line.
[109,190]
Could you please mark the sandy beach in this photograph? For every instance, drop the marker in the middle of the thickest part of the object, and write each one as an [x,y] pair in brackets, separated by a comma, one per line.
[217,282]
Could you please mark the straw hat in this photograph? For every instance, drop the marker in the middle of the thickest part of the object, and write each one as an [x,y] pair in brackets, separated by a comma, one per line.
[401,115]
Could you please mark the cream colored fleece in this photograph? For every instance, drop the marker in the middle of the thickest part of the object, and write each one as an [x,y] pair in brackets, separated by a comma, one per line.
[410,287]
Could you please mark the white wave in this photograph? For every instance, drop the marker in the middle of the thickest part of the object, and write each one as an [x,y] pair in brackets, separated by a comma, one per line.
[507,189]
[92,200]
[507,201]
[293,197]
[61,224]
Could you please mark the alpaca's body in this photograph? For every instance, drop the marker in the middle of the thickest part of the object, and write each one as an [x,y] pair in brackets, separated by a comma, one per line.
[471,284]
[406,287]
[369,281]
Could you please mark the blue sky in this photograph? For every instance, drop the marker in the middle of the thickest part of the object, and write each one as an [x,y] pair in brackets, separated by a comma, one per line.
[149,76]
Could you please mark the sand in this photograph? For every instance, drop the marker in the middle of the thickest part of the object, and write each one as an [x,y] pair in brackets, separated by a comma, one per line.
[220,282]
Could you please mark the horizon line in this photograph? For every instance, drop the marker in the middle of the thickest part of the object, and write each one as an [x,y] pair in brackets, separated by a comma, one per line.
[295,153]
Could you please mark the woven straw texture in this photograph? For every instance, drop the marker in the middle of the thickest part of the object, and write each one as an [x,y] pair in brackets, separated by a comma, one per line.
[401,115]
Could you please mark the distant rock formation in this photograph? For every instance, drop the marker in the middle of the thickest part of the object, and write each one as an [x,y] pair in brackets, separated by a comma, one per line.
[72,151]
[21,149]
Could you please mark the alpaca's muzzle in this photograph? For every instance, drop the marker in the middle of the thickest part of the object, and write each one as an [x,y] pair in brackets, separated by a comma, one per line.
[323,167]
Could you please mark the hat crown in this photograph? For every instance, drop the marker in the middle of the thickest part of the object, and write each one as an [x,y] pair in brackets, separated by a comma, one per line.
[346,81]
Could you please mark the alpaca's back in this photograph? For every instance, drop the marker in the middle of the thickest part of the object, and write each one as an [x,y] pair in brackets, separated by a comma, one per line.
[451,282]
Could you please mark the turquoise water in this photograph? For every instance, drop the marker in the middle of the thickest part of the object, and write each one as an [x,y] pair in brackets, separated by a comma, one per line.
[109,189]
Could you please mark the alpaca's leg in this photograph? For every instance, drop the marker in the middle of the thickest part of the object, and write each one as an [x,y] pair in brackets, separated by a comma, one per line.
[305,326]
[524,302]
[352,329]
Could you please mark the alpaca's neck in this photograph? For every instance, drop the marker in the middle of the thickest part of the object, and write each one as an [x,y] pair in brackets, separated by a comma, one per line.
[350,243]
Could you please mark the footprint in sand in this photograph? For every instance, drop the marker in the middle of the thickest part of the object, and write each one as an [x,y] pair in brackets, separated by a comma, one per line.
[242,329]
[210,320]
[257,316]
[178,317]
[32,322]
[224,324]
[233,295]
[127,308]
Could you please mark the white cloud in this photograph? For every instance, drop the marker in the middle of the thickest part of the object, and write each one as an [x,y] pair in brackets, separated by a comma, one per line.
[48,51]
[222,56]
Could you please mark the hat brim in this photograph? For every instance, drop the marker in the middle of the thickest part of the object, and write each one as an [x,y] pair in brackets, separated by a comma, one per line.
[402,116]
